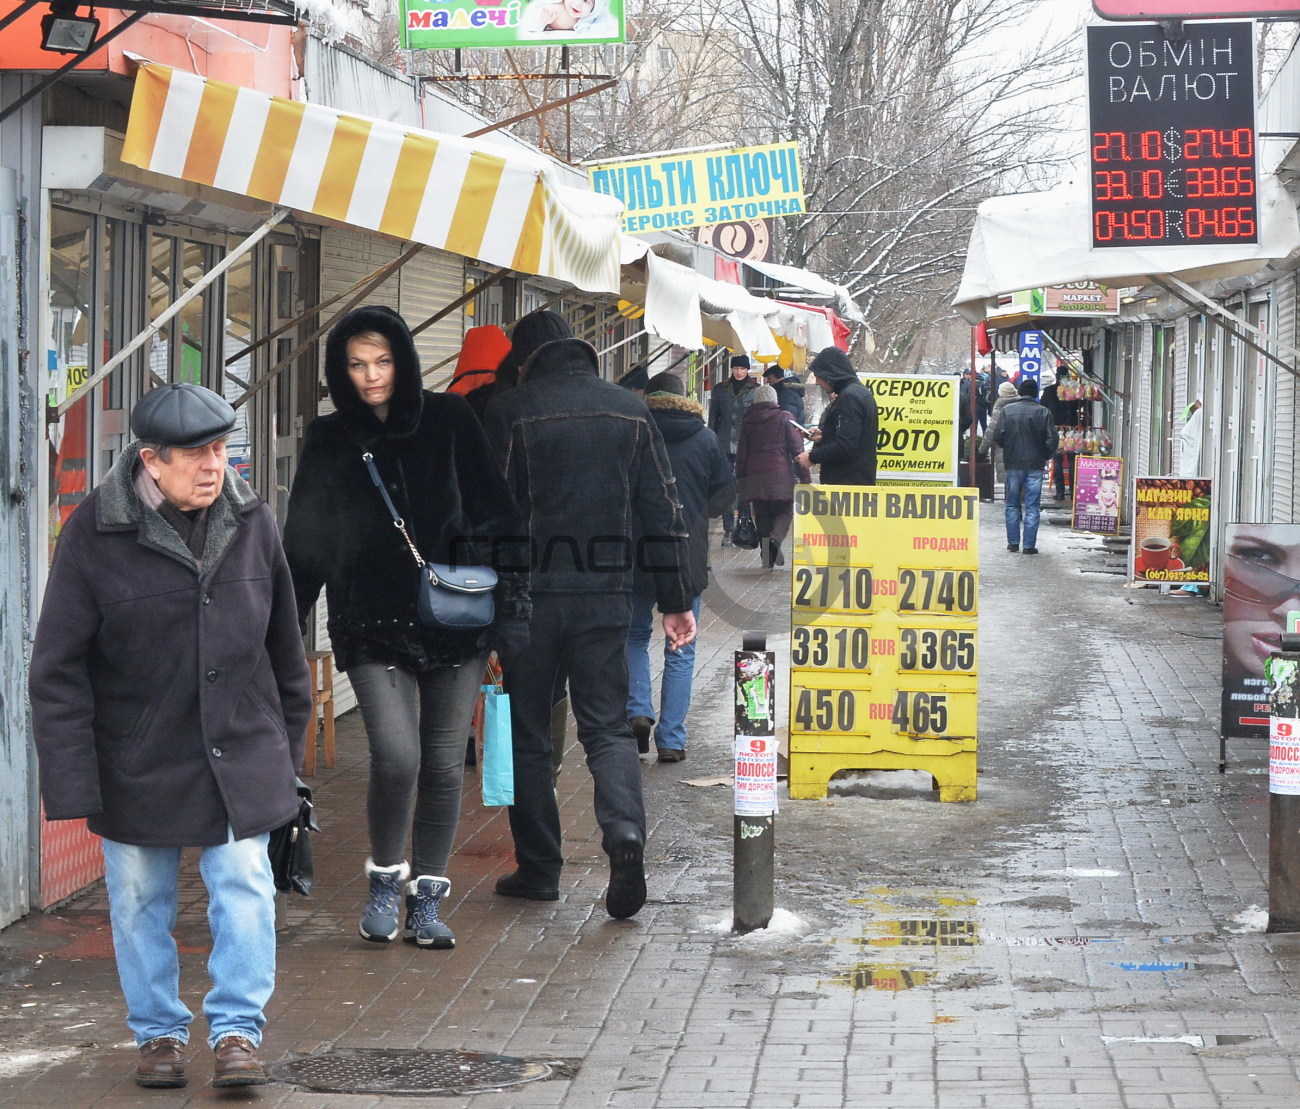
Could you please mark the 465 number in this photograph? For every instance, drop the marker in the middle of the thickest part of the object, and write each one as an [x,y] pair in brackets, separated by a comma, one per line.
[920,713]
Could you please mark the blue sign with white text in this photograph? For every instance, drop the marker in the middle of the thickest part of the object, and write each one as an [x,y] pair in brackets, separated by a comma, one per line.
[1031,354]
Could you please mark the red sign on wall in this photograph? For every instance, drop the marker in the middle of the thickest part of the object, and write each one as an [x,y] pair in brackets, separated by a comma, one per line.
[1193,9]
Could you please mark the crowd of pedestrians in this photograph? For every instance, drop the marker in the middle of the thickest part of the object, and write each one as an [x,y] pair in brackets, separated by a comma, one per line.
[169,687]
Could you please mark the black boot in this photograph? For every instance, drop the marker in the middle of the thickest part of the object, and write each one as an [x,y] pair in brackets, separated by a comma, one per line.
[778,559]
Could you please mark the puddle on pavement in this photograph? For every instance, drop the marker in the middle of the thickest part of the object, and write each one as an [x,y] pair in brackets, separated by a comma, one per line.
[921,933]
[1156,968]
[1191,1040]
[866,976]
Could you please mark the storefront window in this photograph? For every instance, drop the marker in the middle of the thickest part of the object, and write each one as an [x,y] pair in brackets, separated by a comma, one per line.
[75,265]
[194,264]
[161,252]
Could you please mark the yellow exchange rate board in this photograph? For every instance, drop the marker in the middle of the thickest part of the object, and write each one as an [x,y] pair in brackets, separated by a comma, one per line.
[884,653]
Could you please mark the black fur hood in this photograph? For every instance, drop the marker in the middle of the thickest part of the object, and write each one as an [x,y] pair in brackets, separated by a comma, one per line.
[408,394]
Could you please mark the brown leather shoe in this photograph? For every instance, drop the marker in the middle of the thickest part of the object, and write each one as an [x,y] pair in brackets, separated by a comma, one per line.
[237,1063]
[162,1064]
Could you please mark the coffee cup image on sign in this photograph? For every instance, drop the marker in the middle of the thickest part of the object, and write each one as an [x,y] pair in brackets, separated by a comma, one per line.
[1155,552]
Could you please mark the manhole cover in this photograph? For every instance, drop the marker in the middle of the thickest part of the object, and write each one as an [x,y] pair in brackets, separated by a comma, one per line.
[404,1071]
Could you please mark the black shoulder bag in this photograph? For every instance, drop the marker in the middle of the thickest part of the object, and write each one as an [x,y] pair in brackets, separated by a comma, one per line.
[448,598]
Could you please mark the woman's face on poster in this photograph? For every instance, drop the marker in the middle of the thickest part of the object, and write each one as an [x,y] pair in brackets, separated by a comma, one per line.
[1261,585]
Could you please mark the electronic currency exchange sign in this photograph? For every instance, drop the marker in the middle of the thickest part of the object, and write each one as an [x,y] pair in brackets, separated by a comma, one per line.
[1172,123]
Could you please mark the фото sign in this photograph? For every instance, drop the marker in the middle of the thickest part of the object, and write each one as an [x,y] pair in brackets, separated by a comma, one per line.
[916,437]
[457,24]
[1172,135]
[695,188]
[1192,9]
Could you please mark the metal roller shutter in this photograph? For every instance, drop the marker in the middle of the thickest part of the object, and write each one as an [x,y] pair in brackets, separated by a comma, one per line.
[1286,503]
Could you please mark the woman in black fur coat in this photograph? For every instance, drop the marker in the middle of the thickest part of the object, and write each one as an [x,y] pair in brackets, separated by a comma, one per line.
[416,686]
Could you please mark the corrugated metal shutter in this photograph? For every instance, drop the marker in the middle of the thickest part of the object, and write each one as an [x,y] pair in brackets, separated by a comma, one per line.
[1142,371]
[1285,501]
[429,282]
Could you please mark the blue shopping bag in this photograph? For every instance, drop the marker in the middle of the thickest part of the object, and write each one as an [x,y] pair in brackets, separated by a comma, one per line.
[497,768]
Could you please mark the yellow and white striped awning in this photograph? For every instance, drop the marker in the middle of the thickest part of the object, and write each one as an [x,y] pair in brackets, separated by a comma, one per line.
[500,206]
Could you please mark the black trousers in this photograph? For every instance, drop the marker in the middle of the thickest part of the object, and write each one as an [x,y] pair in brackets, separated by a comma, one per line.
[585,638]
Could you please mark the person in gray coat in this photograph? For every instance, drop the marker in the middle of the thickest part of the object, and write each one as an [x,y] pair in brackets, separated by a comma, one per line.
[170,701]
[727,404]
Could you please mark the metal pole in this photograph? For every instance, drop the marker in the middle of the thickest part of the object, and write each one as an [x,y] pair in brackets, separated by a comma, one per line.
[754,828]
[1283,672]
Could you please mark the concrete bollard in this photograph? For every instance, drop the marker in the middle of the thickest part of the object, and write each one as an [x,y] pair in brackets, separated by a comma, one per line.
[1283,672]
[754,828]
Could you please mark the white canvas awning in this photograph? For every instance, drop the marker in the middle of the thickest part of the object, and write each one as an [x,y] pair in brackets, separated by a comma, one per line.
[1032,240]
[795,278]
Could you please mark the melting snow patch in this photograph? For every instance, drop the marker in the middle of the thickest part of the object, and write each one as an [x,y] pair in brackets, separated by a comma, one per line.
[1253,919]
[1084,872]
[874,783]
[1195,1041]
[29,1060]
[783,923]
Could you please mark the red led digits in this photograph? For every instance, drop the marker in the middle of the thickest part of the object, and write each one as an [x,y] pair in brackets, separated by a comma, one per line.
[1219,223]
[1214,182]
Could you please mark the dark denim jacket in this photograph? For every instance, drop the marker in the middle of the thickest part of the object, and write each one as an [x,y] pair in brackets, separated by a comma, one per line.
[588,468]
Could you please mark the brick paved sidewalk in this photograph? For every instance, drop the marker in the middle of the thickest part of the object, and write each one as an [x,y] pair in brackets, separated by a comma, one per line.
[1068,940]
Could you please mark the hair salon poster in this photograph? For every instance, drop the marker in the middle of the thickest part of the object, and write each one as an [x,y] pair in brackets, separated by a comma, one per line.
[1171,530]
[1261,588]
[457,24]
[1097,485]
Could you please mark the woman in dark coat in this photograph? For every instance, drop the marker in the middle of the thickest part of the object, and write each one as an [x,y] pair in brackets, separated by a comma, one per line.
[766,467]
[416,686]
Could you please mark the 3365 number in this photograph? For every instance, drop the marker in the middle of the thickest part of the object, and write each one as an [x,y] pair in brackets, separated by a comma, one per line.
[929,649]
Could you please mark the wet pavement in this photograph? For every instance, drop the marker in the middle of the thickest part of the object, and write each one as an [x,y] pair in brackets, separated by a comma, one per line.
[1088,933]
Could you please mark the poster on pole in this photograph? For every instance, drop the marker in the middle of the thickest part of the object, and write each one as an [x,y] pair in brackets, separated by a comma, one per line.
[1261,590]
[467,24]
[917,440]
[755,737]
[1097,485]
[1171,530]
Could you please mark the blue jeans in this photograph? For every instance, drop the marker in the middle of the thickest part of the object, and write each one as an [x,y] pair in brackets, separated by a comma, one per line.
[416,725]
[1026,485]
[675,689]
[142,884]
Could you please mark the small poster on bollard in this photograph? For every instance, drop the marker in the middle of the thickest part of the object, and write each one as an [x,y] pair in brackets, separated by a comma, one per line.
[1281,672]
[756,745]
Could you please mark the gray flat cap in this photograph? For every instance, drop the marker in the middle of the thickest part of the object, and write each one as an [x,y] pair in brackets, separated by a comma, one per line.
[182,415]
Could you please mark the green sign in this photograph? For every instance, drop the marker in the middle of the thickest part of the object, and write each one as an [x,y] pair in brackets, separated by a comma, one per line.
[455,24]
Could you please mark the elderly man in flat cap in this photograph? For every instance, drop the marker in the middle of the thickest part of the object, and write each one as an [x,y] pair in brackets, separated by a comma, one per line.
[170,700]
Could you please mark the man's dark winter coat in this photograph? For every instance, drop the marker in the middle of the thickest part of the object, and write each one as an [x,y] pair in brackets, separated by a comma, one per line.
[847,451]
[789,397]
[1027,435]
[440,472]
[727,404]
[704,481]
[169,700]
[769,443]
[588,467]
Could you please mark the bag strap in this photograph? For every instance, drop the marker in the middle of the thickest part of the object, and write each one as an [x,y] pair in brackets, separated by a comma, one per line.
[369,460]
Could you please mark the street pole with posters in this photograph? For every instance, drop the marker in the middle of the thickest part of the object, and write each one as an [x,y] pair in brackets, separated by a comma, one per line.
[754,830]
[1282,669]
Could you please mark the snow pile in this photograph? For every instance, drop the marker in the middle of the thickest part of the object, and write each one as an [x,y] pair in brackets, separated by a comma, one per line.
[16,1062]
[783,924]
[1253,919]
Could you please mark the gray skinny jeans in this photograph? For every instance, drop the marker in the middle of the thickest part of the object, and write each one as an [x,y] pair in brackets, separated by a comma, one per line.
[417,725]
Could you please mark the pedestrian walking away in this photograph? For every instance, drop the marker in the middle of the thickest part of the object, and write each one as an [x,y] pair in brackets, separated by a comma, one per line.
[589,469]
[844,445]
[767,466]
[1006,394]
[789,391]
[1028,438]
[416,686]
[170,701]
[727,404]
[705,487]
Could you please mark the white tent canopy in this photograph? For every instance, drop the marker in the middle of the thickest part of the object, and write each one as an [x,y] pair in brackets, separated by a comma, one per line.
[1033,240]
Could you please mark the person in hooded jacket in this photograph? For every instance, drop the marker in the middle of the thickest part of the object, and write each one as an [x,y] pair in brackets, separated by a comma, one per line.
[481,352]
[416,686]
[766,468]
[594,484]
[727,403]
[844,445]
[1006,394]
[705,487]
